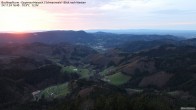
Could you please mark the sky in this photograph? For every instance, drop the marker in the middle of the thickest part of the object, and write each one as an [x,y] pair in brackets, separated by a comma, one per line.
[101,14]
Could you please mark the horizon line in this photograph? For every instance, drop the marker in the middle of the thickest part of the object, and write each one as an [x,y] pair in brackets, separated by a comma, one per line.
[98,30]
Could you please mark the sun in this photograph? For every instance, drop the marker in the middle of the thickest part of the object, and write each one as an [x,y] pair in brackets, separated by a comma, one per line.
[24,19]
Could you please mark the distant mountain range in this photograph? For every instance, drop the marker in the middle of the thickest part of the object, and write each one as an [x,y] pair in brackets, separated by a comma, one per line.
[181,33]
[99,40]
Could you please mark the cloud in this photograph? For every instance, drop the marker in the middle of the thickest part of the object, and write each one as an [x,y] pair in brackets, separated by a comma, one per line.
[115,14]
[175,11]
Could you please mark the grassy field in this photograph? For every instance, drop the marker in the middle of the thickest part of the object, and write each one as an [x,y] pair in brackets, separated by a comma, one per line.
[55,91]
[84,73]
[69,69]
[106,71]
[117,79]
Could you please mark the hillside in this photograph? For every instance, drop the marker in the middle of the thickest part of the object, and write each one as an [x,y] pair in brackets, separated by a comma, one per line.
[127,75]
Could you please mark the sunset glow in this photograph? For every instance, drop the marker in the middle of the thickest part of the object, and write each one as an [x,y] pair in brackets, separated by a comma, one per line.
[24,19]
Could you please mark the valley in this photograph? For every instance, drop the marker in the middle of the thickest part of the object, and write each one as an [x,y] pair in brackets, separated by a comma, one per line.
[76,70]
